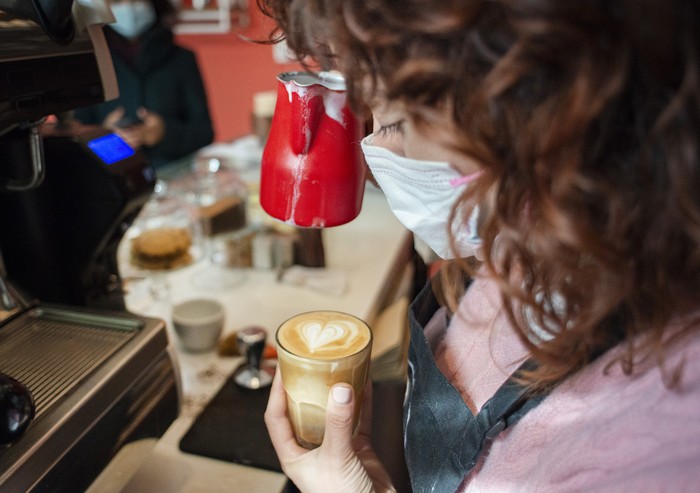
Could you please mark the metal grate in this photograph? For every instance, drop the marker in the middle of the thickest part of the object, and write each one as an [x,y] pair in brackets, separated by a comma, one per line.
[52,351]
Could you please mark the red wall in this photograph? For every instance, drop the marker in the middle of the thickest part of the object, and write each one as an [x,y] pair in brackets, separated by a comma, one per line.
[233,70]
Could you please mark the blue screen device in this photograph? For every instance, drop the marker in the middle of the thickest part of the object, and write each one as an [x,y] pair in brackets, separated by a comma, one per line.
[110,148]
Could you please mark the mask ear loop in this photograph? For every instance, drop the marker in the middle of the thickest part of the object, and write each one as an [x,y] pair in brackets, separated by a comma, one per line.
[463,180]
[474,217]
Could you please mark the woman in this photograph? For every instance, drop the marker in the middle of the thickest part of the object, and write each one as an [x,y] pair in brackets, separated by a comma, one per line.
[571,361]
[162,106]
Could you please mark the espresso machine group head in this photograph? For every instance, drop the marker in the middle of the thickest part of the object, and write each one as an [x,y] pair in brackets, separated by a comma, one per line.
[80,376]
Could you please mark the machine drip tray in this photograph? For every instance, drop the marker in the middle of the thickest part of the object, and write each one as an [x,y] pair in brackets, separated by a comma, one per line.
[52,350]
[99,379]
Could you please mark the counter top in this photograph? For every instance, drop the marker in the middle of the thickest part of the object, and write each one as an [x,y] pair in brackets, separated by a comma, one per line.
[367,253]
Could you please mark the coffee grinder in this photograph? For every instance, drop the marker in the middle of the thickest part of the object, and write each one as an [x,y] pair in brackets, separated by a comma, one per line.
[79,375]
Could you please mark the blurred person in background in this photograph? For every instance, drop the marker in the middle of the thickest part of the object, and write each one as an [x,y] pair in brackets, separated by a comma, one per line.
[551,149]
[162,105]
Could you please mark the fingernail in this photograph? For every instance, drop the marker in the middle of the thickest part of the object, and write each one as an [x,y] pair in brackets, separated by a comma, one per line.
[341,395]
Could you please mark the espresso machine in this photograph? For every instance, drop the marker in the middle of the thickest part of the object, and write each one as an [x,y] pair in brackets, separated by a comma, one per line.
[80,376]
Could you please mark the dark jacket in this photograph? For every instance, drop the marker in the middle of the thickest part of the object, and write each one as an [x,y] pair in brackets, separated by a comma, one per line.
[163,78]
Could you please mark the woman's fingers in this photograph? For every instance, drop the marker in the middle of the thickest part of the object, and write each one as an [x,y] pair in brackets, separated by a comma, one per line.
[337,441]
[335,465]
[278,425]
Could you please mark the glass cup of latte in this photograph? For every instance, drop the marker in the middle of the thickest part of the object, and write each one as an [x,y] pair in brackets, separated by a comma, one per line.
[315,351]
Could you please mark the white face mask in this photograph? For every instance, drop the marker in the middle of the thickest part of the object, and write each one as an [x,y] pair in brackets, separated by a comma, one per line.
[133,18]
[421,195]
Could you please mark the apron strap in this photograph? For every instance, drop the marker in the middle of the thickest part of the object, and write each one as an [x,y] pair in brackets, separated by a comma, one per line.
[443,440]
[504,409]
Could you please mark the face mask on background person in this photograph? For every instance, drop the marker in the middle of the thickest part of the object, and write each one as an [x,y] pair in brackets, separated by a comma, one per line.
[133,18]
[421,195]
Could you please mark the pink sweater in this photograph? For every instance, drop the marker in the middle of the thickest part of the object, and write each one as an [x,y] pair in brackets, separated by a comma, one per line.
[594,432]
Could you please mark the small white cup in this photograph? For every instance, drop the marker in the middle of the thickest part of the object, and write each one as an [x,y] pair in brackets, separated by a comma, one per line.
[198,323]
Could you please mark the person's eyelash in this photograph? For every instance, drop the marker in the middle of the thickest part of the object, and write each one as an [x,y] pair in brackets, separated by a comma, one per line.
[390,128]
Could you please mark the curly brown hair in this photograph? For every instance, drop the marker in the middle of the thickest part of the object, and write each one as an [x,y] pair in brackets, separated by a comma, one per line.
[586,117]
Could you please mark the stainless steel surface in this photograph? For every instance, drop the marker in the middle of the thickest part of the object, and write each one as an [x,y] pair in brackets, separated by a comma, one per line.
[101,379]
[52,351]
[38,170]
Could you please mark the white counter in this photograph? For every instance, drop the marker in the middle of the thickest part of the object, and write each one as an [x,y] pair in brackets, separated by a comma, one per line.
[370,252]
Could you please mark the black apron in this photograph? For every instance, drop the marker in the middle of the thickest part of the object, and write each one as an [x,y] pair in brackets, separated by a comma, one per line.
[443,440]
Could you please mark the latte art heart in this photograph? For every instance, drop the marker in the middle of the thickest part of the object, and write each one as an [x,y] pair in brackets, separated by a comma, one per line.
[323,335]
[330,335]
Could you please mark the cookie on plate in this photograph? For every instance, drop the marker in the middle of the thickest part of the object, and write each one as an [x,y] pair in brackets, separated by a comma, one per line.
[161,248]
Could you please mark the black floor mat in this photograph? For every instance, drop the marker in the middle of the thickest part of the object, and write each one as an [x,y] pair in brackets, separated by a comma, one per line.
[232,428]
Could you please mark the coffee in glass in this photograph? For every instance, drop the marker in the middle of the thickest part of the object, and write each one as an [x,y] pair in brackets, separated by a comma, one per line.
[316,350]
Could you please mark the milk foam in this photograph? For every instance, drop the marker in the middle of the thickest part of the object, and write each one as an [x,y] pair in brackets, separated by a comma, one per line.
[323,334]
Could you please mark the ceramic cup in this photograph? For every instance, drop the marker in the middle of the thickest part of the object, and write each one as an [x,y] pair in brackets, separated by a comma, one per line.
[198,323]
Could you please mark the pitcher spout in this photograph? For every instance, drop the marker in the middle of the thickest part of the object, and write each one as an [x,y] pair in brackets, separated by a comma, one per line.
[310,96]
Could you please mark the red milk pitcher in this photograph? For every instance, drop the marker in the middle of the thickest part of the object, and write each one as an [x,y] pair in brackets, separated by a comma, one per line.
[312,172]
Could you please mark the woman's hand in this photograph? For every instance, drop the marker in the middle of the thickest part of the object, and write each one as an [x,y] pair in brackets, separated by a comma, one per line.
[342,463]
